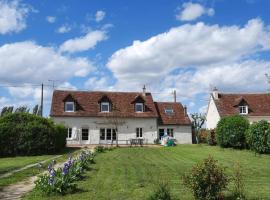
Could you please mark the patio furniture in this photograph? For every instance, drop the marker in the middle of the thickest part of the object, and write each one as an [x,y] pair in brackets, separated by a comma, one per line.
[136,141]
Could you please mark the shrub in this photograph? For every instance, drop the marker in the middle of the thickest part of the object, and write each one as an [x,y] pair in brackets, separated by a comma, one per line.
[258,137]
[231,131]
[162,193]
[100,149]
[206,180]
[27,134]
[211,137]
[238,182]
[203,136]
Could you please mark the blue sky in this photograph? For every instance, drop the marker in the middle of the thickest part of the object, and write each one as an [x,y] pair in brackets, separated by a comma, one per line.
[187,46]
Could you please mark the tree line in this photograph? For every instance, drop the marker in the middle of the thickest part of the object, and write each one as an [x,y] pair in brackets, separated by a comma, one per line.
[36,110]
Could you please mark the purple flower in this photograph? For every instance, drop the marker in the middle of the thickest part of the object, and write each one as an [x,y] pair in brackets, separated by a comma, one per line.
[52,173]
[49,167]
[51,181]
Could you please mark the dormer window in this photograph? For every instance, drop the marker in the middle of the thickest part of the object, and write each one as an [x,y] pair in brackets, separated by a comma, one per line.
[138,107]
[105,107]
[69,107]
[243,110]
[168,111]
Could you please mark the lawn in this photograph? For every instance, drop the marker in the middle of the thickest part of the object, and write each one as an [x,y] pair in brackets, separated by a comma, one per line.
[133,173]
[13,163]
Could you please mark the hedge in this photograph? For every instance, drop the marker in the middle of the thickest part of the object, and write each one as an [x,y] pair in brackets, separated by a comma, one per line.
[27,134]
[231,131]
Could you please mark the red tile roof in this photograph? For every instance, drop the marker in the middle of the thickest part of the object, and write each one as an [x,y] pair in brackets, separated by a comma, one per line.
[88,104]
[258,104]
[178,117]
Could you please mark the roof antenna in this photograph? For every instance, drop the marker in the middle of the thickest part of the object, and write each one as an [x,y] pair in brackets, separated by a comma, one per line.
[144,90]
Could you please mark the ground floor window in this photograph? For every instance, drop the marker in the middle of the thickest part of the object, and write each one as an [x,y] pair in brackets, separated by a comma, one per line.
[107,134]
[69,132]
[161,133]
[138,132]
[85,133]
[170,132]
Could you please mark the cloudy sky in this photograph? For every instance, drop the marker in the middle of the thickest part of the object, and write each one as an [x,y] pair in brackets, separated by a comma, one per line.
[187,46]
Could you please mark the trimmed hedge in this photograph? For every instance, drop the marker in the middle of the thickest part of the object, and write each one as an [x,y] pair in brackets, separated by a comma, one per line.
[258,137]
[27,134]
[231,131]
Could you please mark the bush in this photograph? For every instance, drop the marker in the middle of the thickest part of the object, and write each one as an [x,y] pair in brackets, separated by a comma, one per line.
[206,180]
[203,136]
[231,131]
[162,193]
[238,182]
[100,149]
[258,137]
[211,137]
[27,134]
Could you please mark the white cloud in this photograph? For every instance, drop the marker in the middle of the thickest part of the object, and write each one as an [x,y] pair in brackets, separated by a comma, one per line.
[12,16]
[100,15]
[191,11]
[89,41]
[101,83]
[51,19]
[65,28]
[150,61]
[27,62]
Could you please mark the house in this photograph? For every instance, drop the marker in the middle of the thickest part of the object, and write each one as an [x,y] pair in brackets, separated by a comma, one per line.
[254,107]
[106,117]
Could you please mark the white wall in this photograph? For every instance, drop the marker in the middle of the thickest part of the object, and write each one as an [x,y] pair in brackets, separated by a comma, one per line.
[126,131]
[253,119]
[212,115]
[182,133]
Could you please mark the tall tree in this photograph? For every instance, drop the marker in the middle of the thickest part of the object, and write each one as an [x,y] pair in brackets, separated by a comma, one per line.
[35,110]
[198,121]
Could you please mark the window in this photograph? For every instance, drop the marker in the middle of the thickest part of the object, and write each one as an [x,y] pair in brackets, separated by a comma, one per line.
[243,110]
[85,135]
[69,133]
[161,133]
[138,132]
[170,132]
[105,107]
[139,107]
[69,107]
[169,111]
[107,134]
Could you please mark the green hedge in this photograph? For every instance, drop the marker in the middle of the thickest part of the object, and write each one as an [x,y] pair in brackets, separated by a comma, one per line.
[258,137]
[27,134]
[231,131]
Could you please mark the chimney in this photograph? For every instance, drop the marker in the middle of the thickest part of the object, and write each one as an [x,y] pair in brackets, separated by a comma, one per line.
[174,96]
[185,110]
[144,90]
[215,93]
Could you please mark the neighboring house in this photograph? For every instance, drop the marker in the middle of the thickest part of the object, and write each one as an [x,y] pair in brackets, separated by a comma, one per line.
[254,107]
[107,117]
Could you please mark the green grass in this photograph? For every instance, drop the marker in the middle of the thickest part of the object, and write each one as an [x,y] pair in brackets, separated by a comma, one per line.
[133,173]
[12,163]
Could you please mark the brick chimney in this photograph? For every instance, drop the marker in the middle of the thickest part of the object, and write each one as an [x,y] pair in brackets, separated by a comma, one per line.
[144,90]
[185,110]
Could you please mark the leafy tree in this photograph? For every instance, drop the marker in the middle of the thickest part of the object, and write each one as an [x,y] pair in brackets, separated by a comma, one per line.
[6,110]
[35,110]
[198,121]
[22,109]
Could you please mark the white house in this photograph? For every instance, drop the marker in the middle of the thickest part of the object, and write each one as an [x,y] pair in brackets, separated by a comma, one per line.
[107,117]
[254,107]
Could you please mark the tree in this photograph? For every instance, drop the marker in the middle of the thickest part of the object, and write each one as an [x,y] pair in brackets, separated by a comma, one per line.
[198,120]
[22,109]
[6,110]
[35,110]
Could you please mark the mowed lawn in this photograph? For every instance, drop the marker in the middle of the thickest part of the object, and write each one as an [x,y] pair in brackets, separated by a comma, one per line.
[133,173]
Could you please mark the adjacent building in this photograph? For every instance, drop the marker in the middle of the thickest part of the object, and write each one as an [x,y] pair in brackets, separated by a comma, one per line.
[108,117]
[254,107]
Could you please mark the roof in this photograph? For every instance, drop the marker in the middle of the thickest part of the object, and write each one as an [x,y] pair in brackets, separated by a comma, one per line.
[258,104]
[178,117]
[87,103]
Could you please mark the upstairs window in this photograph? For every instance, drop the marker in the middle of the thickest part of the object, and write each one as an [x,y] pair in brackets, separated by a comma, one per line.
[69,107]
[105,107]
[138,107]
[169,111]
[243,110]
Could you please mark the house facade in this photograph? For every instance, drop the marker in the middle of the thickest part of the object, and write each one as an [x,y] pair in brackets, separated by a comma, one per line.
[117,117]
[254,107]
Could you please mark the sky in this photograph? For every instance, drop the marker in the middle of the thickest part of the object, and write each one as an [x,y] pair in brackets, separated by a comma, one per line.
[119,45]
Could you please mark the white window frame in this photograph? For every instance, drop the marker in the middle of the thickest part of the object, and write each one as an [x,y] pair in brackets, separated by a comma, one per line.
[140,132]
[112,134]
[170,111]
[87,133]
[70,103]
[243,108]
[139,104]
[170,132]
[69,133]
[105,104]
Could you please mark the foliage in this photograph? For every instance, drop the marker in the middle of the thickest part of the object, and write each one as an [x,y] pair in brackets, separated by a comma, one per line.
[197,123]
[99,149]
[206,180]
[203,136]
[258,137]
[211,137]
[231,131]
[238,182]
[27,134]
[62,180]
[162,192]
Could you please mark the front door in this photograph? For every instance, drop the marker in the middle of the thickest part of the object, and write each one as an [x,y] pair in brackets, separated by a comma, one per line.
[161,132]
